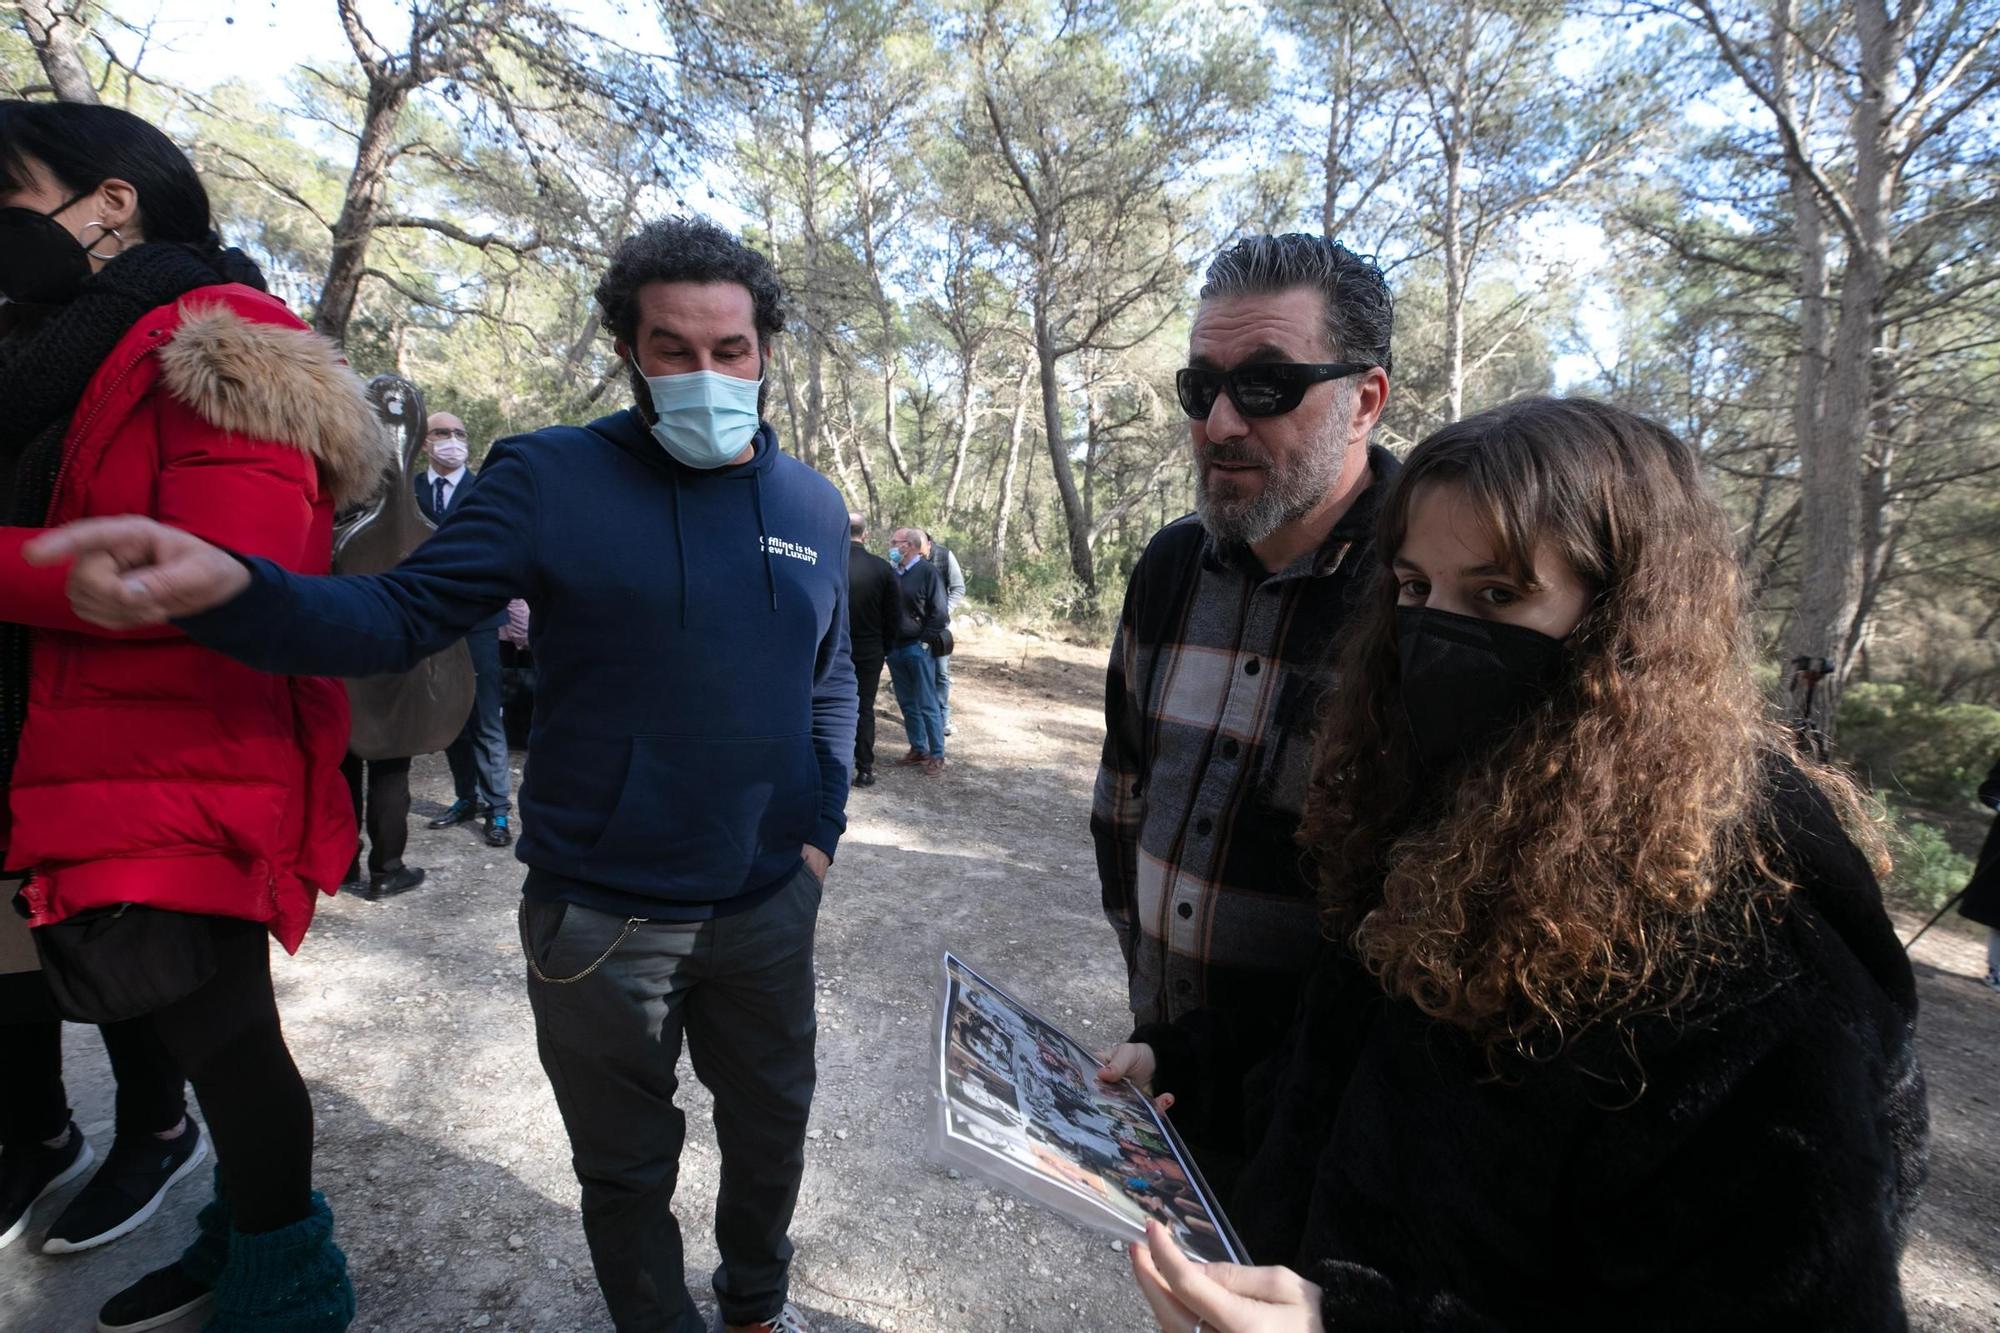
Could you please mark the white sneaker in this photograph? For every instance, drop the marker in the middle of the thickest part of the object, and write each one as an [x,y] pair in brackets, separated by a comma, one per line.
[787,1320]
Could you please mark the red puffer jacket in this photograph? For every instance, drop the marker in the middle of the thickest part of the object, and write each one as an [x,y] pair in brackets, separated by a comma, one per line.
[152,770]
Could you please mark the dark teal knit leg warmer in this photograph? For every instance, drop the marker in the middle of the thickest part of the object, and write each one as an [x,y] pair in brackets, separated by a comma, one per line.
[292,1280]
[203,1260]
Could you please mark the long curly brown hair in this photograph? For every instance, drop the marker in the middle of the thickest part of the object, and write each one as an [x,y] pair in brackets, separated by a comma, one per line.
[1612,852]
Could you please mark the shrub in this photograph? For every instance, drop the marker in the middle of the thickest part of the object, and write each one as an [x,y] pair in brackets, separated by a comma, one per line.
[1928,872]
[1903,739]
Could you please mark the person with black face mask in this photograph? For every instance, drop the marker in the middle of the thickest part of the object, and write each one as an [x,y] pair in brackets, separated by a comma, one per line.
[1610,1029]
[170,810]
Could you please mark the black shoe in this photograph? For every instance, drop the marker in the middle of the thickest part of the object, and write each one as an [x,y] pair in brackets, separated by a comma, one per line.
[127,1189]
[864,777]
[162,1297]
[498,834]
[395,882]
[28,1174]
[461,812]
[351,881]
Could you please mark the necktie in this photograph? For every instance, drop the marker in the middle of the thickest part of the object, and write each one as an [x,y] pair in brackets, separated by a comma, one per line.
[443,495]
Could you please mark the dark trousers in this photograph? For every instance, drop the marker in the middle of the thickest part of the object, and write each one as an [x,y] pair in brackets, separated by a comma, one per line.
[478,758]
[868,677]
[228,1038]
[741,988]
[386,815]
[34,1105]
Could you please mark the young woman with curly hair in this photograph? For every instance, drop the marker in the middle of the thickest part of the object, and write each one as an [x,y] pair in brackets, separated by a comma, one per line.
[1612,1030]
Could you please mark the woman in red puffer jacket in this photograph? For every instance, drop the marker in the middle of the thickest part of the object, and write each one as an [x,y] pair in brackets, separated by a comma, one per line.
[145,371]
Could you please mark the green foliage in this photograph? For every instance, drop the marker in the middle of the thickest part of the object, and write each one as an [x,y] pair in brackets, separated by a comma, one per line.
[1904,739]
[1927,871]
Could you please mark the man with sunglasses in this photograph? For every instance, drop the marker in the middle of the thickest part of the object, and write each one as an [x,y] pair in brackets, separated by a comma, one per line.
[1224,649]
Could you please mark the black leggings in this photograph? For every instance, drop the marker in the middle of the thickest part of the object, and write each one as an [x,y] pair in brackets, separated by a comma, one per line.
[227,1037]
[35,1106]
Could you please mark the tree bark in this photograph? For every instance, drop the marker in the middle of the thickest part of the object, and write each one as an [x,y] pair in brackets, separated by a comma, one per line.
[967,387]
[53,33]
[1072,502]
[1832,460]
[1016,430]
[359,209]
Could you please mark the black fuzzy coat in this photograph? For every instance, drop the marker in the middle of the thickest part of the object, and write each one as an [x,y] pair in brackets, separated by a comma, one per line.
[1760,1178]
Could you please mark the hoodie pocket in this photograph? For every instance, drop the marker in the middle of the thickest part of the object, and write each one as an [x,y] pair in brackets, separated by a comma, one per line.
[708,815]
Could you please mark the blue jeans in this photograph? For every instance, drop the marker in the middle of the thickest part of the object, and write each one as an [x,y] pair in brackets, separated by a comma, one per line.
[943,665]
[915,678]
[478,758]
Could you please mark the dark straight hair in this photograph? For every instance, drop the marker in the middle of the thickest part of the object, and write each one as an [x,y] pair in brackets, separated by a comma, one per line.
[84,146]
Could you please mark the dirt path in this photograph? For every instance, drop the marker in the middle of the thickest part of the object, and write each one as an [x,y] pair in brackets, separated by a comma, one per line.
[449,1174]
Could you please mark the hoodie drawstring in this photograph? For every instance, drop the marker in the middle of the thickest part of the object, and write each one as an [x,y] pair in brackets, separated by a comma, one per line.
[764,536]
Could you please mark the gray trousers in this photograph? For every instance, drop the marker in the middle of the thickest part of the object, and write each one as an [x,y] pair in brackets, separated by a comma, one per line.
[611,1000]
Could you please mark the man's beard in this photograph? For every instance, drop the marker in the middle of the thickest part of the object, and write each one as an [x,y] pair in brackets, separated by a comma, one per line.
[1290,490]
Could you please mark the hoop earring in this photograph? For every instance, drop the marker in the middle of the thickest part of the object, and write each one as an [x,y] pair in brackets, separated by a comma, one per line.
[103,231]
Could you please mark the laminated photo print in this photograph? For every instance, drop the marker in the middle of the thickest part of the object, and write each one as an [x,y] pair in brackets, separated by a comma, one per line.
[1019,1103]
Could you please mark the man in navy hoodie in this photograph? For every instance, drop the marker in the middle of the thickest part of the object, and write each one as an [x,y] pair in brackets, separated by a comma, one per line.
[688,767]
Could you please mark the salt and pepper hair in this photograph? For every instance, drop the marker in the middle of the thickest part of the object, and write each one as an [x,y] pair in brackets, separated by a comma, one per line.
[1360,312]
[857,526]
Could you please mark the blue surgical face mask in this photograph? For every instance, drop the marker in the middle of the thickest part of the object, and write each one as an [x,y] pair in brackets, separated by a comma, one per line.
[704,418]
[895,555]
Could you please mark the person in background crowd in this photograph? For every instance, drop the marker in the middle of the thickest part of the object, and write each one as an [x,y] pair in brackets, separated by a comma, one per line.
[687,781]
[480,778]
[1981,902]
[912,662]
[947,566]
[1220,662]
[1610,1029]
[146,372]
[874,609]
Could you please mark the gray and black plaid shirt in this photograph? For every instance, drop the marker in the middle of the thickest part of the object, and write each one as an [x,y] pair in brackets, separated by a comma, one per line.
[1215,683]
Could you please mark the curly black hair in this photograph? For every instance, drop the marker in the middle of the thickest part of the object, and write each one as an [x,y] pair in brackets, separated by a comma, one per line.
[687,249]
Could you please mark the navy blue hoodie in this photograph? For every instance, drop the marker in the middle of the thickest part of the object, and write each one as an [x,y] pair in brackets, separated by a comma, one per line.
[695,703]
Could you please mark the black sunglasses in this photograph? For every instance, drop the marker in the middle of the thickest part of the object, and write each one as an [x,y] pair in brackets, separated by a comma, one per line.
[1262,389]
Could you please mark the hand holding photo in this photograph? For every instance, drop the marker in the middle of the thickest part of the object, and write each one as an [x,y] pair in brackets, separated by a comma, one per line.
[1020,1103]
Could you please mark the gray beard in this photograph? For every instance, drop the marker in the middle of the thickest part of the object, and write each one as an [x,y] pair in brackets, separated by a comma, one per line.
[1289,492]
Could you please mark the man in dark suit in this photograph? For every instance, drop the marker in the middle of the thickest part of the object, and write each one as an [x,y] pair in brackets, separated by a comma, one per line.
[873,604]
[478,758]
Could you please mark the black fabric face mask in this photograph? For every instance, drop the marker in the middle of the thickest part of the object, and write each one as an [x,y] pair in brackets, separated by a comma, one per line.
[40,262]
[1467,682]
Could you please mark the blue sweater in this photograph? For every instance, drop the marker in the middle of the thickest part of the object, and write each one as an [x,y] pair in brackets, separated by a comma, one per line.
[695,702]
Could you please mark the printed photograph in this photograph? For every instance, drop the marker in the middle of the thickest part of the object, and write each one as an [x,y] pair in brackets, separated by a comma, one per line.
[1022,1100]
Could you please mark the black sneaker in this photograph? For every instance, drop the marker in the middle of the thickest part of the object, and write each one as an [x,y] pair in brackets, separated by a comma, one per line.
[395,882]
[29,1174]
[864,777]
[154,1301]
[461,812]
[127,1189]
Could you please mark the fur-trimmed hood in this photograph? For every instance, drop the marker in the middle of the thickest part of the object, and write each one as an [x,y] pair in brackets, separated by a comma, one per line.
[282,382]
